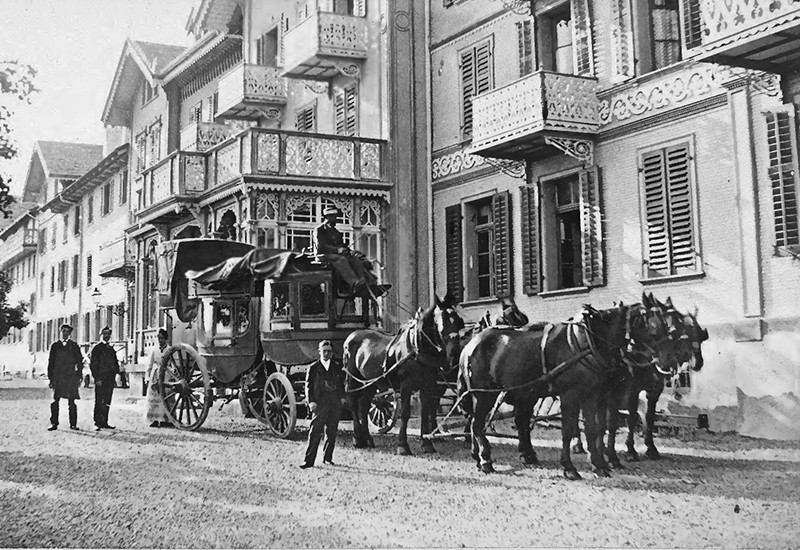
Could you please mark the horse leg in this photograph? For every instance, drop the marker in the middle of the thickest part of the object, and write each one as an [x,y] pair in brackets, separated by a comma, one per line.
[612,425]
[405,414]
[650,420]
[569,431]
[427,420]
[594,430]
[523,411]
[578,448]
[481,450]
[633,418]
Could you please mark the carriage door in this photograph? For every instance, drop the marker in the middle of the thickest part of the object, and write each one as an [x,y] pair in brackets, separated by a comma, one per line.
[231,324]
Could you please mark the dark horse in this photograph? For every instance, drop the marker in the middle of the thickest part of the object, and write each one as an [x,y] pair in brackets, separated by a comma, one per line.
[572,360]
[411,361]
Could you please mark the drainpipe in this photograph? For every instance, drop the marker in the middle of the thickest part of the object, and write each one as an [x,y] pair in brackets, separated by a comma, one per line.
[429,153]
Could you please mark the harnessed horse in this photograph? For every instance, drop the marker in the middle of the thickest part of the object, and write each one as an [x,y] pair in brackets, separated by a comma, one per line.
[411,361]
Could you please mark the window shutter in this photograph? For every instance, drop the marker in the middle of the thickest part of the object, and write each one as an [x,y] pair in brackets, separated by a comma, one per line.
[622,39]
[525,46]
[582,38]
[339,112]
[531,277]
[680,207]
[782,149]
[503,279]
[467,90]
[360,8]
[483,68]
[454,253]
[656,214]
[692,24]
[351,110]
[592,228]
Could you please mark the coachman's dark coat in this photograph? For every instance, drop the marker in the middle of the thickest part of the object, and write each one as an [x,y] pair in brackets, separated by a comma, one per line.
[64,368]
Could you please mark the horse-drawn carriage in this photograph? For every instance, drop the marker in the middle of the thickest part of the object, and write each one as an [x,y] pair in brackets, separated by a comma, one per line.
[246,324]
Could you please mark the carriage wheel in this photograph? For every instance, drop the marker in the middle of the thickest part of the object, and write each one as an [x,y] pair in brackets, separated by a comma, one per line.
[383,410]
[280,405]
[185,387]
[251,396]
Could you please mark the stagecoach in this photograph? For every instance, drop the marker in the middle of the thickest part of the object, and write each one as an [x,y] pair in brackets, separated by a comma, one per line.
[247,323]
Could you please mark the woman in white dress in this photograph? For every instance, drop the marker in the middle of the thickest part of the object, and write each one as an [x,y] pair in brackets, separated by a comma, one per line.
[156,413]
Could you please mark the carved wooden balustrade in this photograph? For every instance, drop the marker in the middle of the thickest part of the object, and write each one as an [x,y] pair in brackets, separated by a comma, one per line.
[182,173]
[526,109]
[22,243]
[323,45]
[247,89]
[726,18]
[202,136]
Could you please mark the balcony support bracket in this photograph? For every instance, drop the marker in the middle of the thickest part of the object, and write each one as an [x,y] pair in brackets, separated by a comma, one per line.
[513,168]
[348,69]
[196,212]
[273,113]
[580,149]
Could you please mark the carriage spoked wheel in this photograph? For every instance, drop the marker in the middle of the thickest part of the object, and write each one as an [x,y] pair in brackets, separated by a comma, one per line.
[251,395]
[279,405]
[185,387]
[383,409]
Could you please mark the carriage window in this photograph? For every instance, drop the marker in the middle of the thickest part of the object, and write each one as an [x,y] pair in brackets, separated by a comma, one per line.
[223,321]
[312,299]
[242,317]
[281,306]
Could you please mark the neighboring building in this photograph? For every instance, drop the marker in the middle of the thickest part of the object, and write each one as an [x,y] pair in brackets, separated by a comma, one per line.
[277,110]
[582,153]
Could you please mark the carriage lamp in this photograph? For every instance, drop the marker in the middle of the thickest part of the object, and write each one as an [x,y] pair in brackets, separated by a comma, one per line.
[96,296]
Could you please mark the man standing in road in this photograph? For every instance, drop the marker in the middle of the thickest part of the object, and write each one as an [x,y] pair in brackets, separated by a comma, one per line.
[64,368]
[325,396]
[105,367]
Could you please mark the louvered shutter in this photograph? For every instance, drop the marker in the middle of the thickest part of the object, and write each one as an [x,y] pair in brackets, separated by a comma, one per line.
[531,275]
[525,47]
[592,228]
[583,60]
[467,90]
[305,119]
[680,208]
[339,112]
[454,252]
[692,24]
[501,215]
[622,39]
[656,212]
[360,8]
[783,163]
[351,110]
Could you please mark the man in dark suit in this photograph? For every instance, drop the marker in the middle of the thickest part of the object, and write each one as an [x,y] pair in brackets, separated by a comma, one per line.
[325,396]
[105,367]
[64,368]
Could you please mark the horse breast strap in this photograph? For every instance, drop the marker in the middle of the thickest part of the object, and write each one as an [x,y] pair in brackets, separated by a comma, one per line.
[548,328]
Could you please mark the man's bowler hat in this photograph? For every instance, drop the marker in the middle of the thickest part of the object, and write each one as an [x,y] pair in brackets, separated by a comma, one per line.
[67,327]
[106,329]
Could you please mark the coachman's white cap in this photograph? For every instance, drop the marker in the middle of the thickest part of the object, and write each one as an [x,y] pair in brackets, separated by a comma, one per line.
[325,344]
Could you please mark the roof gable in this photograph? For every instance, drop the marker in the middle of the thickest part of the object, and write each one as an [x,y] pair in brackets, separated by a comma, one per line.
[58,159]
[17,212]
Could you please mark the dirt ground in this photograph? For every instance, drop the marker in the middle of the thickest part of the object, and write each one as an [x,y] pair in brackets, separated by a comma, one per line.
[233,485]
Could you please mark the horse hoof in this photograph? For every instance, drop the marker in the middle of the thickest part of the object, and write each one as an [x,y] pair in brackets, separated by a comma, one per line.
[529,458]
[652,454]
[359,445]
[572,475]
[578,449]
[487,468]
[403,451]
[616,465]
[601,472]
[632,456]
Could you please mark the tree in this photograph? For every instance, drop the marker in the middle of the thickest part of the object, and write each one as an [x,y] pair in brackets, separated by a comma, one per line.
[10,317]
[16,85]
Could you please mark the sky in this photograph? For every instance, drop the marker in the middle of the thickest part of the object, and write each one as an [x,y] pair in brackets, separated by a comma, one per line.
[75,46]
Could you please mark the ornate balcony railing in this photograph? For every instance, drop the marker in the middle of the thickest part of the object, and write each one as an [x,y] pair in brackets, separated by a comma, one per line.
[748,33]
[116,258]
[324,44]
[526,108]
[261,151]
[247,89]
[202,136]
[21,244]
[182,173]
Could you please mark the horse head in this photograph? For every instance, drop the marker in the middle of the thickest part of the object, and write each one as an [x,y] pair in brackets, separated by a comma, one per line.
[607,330]
[447,325]
[686,332]
[653,338]
[511,315]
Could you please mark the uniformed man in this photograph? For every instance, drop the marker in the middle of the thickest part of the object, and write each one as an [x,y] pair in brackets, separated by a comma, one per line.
[325,396]
[351,267]
[105,367]
[64,367]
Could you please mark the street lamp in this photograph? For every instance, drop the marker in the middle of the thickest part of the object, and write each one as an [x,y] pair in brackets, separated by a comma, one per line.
[96,296]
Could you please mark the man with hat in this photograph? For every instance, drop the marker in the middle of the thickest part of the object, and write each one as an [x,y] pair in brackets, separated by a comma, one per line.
[105,367]
[64,367]
[325,396]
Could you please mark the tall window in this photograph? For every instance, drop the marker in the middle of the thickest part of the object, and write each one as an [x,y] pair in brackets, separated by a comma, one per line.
[76,229]
[267,48]
[123,186]
[149,92]
[141,152]
[477,77]
[564,36]
[525,45]
[75,266]
[52,279]
[346,111]
[783,169]
[90,209]
[666,37]
[306,119]
[561,233]
[89,270]
[154,139]
[66,226]
[106,198]
[667,202]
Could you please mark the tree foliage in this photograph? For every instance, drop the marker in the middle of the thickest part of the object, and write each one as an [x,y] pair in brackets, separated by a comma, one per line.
[16,85]
[10,317]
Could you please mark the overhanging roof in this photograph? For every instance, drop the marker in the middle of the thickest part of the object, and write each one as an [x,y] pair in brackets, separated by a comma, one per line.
[202,54]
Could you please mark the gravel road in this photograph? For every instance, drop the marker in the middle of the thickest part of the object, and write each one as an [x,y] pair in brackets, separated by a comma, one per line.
[232,485]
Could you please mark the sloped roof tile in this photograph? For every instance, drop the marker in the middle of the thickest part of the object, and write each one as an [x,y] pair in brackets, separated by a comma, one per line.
[69,159]
[158,56]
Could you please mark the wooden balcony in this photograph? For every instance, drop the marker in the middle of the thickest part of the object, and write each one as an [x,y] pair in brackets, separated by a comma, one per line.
[753,34]
[21,244]
[116,259]
[324,45]
[169,184]
[251,90]
[518,121]
[202,136]
[296,156]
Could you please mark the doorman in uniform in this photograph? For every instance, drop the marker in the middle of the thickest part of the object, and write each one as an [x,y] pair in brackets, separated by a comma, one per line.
[105,367]
[64,368]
